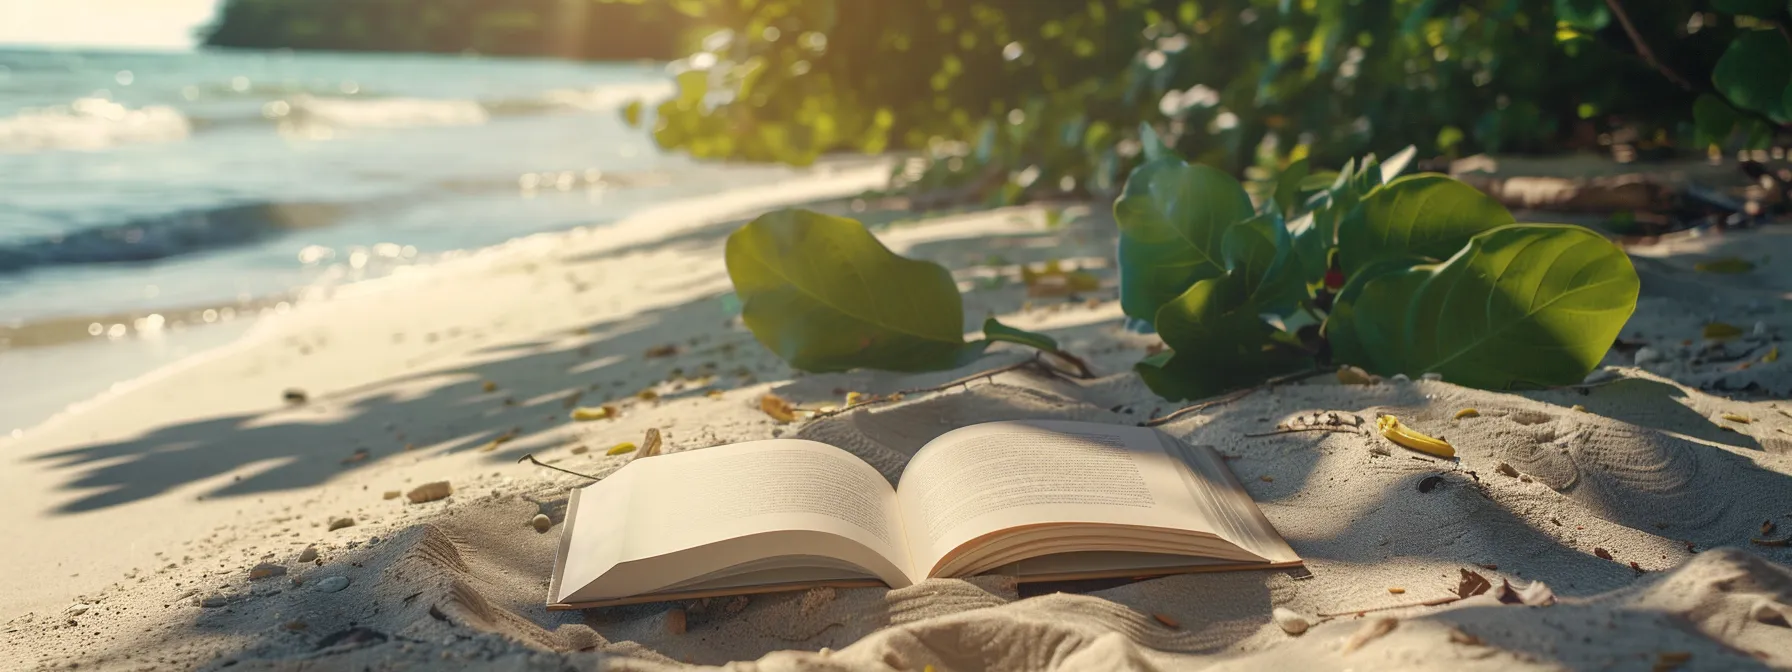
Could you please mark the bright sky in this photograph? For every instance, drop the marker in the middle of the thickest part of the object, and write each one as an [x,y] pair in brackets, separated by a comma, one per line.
[158,24]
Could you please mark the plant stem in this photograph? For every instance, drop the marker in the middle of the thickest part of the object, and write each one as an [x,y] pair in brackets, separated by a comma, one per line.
[1642,48]
[1030,362]
[530,458]
[1408,605]
[1235,396]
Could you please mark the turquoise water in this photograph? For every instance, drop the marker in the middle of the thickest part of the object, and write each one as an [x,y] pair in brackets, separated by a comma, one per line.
[134,182]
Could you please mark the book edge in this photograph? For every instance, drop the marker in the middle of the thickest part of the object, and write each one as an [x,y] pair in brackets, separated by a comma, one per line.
[566,531]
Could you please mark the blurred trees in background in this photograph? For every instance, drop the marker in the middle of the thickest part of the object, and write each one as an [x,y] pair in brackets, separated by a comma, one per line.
[1018,97]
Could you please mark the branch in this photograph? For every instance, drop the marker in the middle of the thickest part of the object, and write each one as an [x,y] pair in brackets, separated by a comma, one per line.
[1033,362]
[1235,396]
[1642,48]
[530,458]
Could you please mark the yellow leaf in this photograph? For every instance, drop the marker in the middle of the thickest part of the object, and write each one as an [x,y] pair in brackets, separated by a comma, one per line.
[1726,265]
[622,448]
[1720,331]
[604,412]
[1772,355]
[777,407]
[1467,413]
[1406,437]
[647,395]
[1732,417]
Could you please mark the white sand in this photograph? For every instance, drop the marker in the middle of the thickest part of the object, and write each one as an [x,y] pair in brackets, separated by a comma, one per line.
[125,515]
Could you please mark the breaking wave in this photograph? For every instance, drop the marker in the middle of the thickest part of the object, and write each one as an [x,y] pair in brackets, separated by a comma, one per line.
[89,124]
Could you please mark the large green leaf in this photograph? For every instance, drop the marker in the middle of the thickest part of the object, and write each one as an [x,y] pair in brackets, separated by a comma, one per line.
[1754,73]
[1526,305]
[1713,120]
[1172,218]
[996,331]
[824,295]
[1218,340]
[1425,215]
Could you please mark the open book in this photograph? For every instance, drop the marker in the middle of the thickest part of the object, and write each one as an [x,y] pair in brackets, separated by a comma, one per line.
[1042,500]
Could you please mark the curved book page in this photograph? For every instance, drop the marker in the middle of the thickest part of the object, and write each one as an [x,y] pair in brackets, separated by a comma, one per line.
[723,517]
[1005,493]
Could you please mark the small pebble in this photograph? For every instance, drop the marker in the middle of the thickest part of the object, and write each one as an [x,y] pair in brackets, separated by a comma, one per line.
[340,523]
[429,492]
[330,584]
[1507,470]
[77,610]
[1291,621]
[266,570]
[579,450]
[1396,590]
[295,396]
[214,601]
[309,554]
[391,494]
[541,522]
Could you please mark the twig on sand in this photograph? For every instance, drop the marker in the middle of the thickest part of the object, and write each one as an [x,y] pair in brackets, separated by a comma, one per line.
[530,458]
[1406,605]
[1642,48]
[1035,362]
[1291,430]
[1235,396]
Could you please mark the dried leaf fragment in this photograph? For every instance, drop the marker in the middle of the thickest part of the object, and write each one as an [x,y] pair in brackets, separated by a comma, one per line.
[1168,622]
[579,449]
[1472,584]
[489,386]
[1396,590]
[777,407]
[666,350]
[1406,437]
[1467,413]
[650,444]
[1773,355]
[647,395]
[1671,660]
[1372,630]
[621,448]
[1602,554]
[1732,417]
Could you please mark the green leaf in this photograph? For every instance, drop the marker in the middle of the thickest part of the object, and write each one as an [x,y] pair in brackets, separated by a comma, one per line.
[1761,8]
[1172,219]
[1525,305]
[1169,378]
[1397,163]
[1425,215]
[1288,189]
[1713,120]
[1754,73]
[1219,340]
[1259,252]
[1586,15]
[1153,144]
[824,295]
[998,332]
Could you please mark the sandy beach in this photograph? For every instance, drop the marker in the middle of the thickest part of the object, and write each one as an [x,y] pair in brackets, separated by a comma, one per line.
[198,519]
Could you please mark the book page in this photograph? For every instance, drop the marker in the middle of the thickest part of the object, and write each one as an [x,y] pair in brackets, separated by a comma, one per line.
[987,478]
[663,520]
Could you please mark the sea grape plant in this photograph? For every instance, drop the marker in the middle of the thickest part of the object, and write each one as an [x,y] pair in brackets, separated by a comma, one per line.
[1396,275]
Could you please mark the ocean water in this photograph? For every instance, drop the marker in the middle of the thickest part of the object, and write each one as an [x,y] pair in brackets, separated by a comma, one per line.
[139,192]
[131,182]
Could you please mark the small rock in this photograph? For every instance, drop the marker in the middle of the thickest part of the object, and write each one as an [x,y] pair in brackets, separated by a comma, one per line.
[1602,554]
[309,554]
[429,492]
[541,522]
[330,584]
[266,570]
[391,494]
[77,610]
[339,523]
[1291,621]
[1647,355]
[1506,470]
[579,450]
[295,396]
[214,601]
[1400,378]
[1431,375]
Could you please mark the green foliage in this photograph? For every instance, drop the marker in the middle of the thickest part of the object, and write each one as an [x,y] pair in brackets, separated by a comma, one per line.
[1173,220]
[824,295]
[1528,305]
[1438,279]
[1755,74]
[1427,216]
[1017,98]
